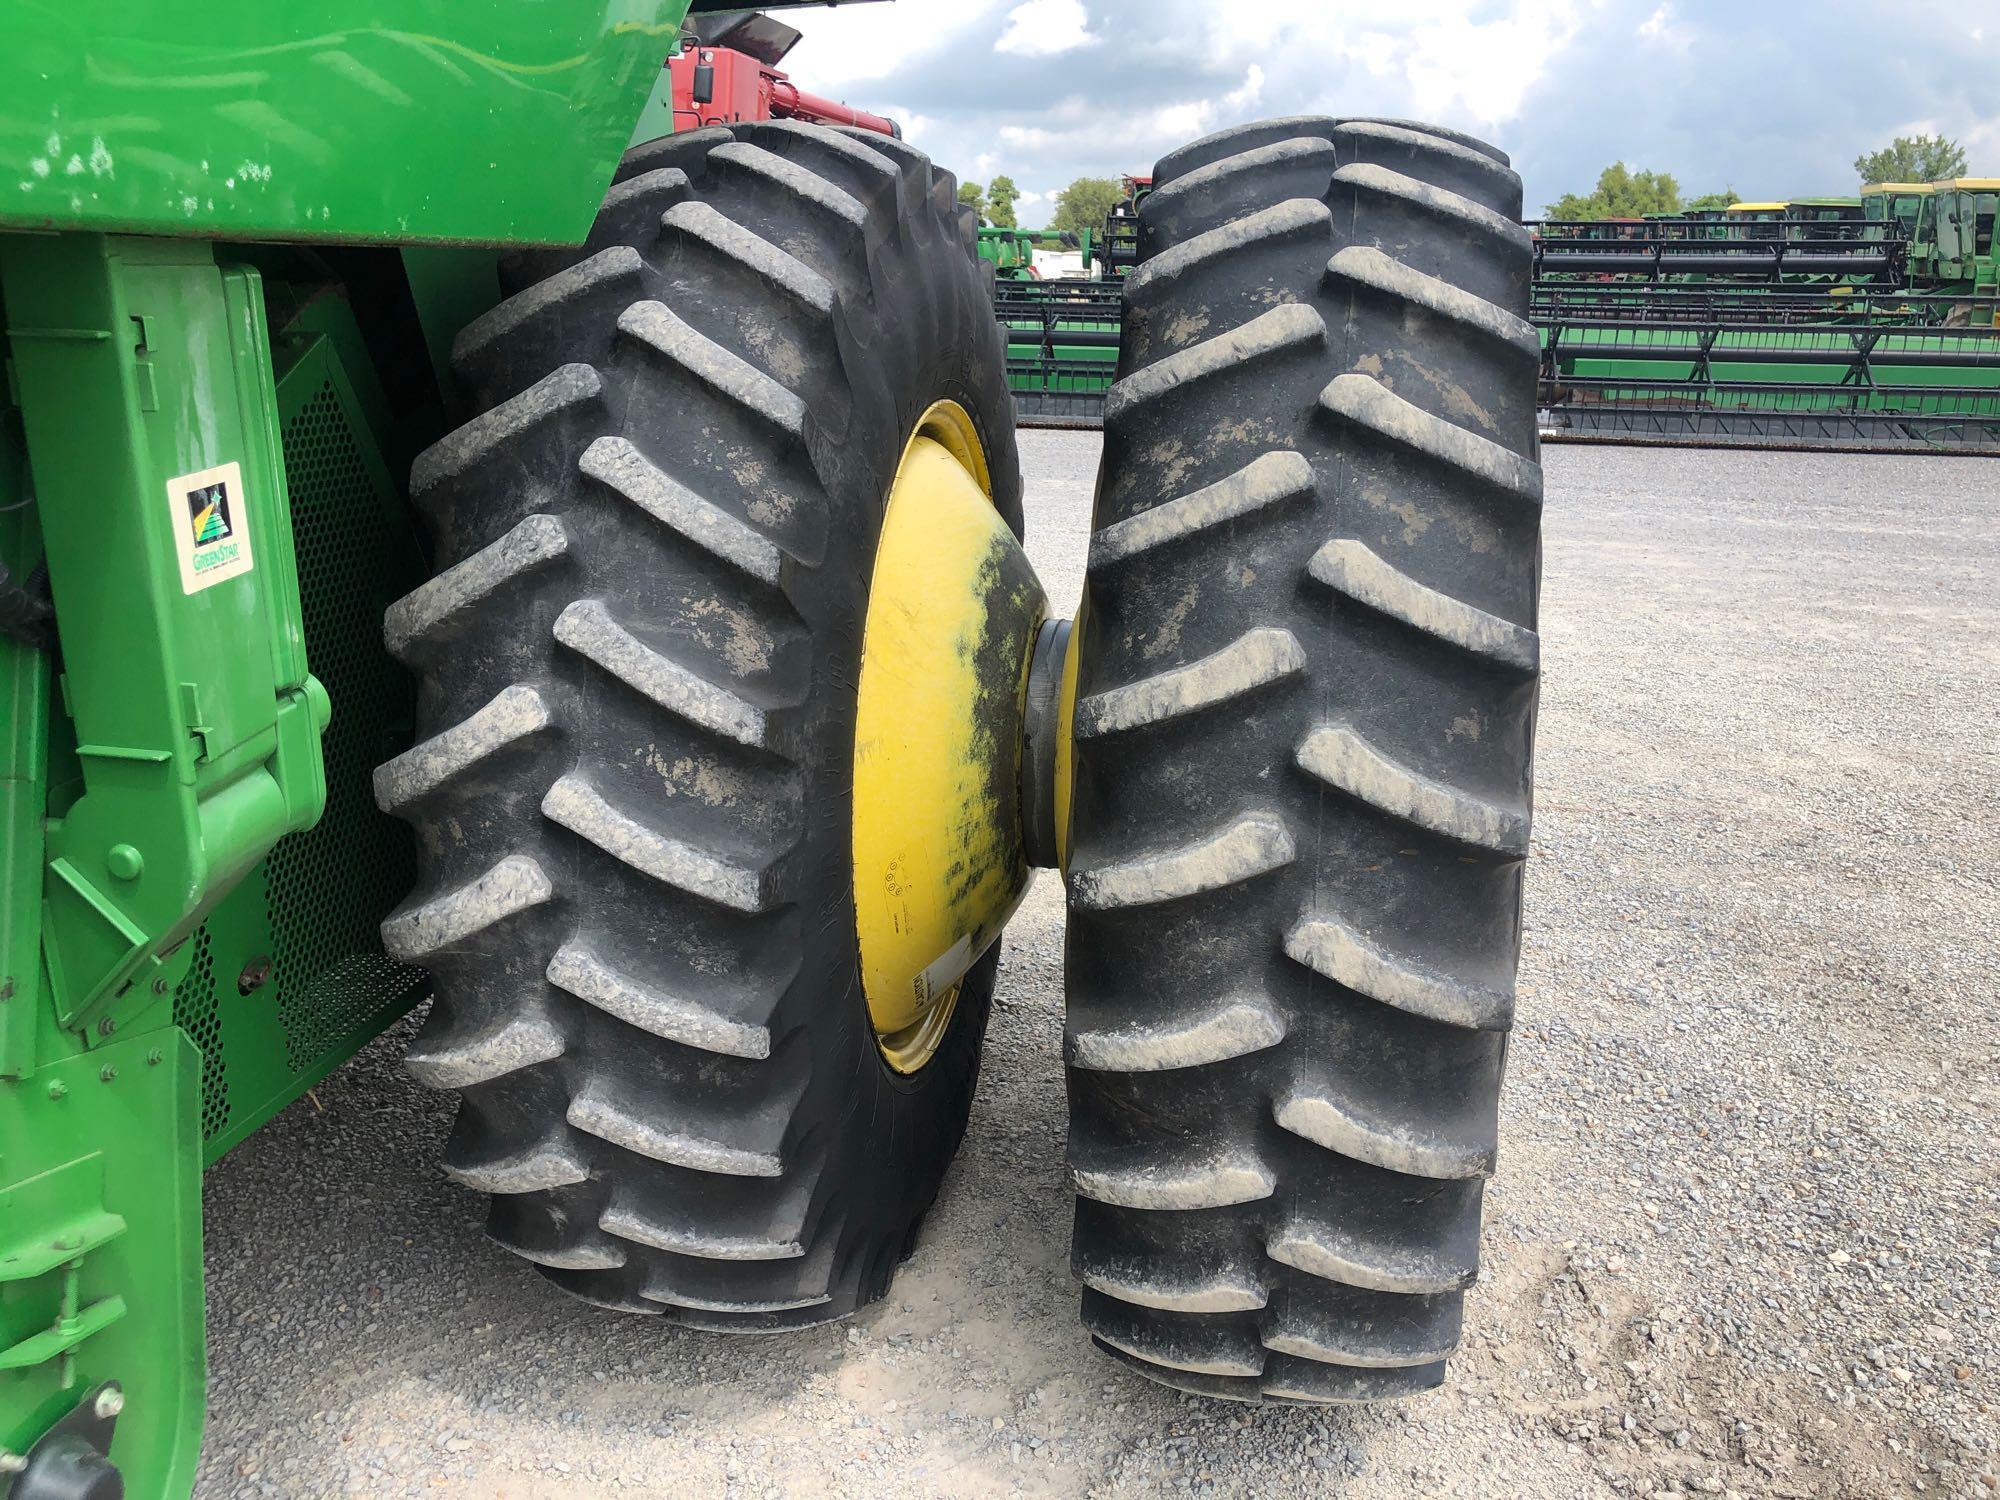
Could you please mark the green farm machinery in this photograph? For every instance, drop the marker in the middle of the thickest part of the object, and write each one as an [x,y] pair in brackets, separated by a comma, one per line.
[1063,334]
[466,543]
[1863,322]
[1011,252]
[1870,322]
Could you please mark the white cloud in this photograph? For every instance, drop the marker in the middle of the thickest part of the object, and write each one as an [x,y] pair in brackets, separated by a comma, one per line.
[1484,68]
[915,126]
[1080,129]
[1243,98]
[1043,28]
[858,42]
[1662,30]
[1102,87]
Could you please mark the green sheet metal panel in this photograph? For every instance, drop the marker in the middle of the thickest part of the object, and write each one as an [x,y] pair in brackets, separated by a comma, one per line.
[410,121]
[101,1149]
[143,371]
[100,1252]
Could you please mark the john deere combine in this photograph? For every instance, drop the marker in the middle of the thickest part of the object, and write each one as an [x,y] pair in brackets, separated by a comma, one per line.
[462,542]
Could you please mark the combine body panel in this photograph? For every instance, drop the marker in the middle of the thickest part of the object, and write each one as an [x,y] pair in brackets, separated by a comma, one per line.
[405,121]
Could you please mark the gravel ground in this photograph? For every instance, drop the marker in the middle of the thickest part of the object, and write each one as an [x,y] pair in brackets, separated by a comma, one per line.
[1746,1233]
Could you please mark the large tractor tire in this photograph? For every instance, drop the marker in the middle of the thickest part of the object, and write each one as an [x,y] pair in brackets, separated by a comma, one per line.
[1303,729]
[635,778]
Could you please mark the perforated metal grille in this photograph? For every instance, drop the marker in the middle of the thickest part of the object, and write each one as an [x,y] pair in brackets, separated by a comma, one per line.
[195,1013]
[325,891]
[330,887]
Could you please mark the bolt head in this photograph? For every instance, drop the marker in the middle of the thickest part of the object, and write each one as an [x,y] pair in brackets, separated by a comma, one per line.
[107,1072]
[57,1089]
[110,1401]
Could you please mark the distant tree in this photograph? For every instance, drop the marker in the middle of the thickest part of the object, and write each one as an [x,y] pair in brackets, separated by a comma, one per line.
[1912,158]
[971,195]
[1712,200]
[1621,193]
[1085,203]
[1000,202]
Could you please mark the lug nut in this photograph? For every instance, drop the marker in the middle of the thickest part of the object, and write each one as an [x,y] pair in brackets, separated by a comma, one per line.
[110,1402]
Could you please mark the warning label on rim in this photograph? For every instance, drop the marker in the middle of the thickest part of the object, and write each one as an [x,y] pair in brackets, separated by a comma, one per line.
[210,517]
[944,971]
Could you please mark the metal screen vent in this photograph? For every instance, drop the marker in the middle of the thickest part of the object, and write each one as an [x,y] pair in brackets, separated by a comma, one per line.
[328,888]
[195,1013]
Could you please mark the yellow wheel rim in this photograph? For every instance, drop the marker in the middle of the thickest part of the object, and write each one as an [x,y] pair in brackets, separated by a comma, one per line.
[938,862]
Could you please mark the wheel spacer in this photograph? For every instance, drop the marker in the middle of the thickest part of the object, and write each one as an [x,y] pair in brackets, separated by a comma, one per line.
[1044,803]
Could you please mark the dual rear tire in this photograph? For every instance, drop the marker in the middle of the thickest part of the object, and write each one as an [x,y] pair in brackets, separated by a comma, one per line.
[633,784]
[1303,716]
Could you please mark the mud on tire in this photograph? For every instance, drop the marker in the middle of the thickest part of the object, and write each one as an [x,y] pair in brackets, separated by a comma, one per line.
[631,785]
[1304,726]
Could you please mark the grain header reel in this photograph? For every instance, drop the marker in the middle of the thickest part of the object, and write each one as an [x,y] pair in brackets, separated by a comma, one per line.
[463,540]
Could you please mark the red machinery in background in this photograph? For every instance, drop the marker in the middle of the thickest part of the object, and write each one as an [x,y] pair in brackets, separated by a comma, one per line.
[730,74]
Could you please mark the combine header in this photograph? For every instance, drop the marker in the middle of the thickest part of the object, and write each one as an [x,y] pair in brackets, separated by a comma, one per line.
[1063,335]
[1864,322]
[1818,323]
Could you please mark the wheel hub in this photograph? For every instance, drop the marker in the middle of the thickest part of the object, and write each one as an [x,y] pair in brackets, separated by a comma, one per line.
[941,852]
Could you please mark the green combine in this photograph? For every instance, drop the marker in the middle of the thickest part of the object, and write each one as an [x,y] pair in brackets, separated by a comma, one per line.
[463,544]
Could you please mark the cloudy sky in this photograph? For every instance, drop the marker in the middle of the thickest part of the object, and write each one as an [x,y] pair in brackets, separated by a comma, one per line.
[1772,97]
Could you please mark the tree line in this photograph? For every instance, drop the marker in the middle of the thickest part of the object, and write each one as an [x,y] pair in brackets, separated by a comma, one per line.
[1082,205]
[1622,193]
